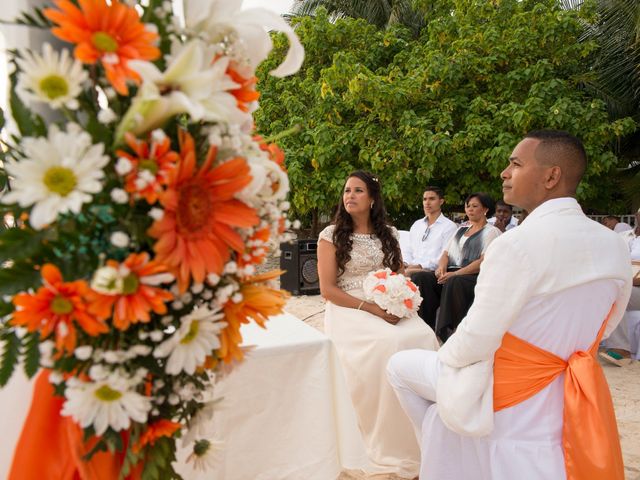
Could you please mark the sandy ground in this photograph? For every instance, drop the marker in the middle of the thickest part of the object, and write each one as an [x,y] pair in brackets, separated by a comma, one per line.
[624,383]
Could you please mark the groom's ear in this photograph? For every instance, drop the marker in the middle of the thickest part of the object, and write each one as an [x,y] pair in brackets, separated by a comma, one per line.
[552,177]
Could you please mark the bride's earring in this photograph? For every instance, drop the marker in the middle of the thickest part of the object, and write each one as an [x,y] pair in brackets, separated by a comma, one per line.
[372,205]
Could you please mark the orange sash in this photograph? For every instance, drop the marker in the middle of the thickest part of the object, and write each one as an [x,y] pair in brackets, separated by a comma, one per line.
[589,432]
[51,446]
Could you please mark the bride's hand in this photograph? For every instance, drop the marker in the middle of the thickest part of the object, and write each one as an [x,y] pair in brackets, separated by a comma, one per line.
[387,317]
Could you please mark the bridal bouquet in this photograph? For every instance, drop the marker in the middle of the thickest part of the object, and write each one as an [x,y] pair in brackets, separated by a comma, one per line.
[393,292]
[137,203]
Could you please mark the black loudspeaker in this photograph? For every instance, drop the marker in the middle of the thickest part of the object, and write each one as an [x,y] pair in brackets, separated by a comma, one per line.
[300,260]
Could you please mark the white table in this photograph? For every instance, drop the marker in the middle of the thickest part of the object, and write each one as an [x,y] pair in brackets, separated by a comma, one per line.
[287,414]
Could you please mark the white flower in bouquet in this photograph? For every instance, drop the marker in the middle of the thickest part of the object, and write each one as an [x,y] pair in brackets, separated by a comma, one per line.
[194,83]
[58,175]
[205,454]
[269,181]
[393,292]
[53,78]
[200,423]
[112,402]
[190,345]
[245,30]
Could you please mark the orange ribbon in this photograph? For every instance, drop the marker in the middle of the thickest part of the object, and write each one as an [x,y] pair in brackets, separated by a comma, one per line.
[590,438]
[51,447]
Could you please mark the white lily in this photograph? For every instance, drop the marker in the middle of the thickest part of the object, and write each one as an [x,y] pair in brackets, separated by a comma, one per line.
[247,30]
[192,83]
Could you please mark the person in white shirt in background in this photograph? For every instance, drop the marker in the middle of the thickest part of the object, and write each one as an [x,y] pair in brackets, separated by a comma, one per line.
[614,223]
[428,236]
[503,219]
[618,345]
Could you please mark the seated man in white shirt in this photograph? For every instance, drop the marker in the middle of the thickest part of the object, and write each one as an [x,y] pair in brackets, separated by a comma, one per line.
[503,219]
[429,235]
[516,391]
[618,345]
[614,223]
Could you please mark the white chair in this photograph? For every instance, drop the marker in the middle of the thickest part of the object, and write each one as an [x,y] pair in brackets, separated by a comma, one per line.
[405,241]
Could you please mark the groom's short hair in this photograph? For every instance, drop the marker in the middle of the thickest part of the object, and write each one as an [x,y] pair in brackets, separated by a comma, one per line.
[560,148]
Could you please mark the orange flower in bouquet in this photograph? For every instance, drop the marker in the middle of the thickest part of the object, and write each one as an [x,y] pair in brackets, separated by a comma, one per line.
[111,33]
[57,307]
[195,234]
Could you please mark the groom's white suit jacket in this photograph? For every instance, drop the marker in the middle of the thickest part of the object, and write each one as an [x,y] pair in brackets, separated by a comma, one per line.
[555,248]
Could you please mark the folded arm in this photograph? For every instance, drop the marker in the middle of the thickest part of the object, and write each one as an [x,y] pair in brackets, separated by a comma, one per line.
[500,294]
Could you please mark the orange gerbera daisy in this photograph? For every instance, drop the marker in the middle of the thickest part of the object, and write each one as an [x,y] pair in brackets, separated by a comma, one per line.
[109,32]
[138,296]
[247,92]
[55,307]
[154,157]
[259,302]
[196,235]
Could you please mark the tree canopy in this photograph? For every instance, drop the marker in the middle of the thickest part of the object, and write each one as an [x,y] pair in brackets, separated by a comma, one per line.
[444,108]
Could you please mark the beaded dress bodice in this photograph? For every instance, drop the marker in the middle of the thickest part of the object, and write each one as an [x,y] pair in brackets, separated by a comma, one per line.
[366,256]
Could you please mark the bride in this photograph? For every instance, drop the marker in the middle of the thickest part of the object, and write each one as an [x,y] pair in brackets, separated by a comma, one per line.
[360,241]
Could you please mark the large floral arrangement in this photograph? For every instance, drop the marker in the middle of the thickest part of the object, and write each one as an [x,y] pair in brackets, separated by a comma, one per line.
[393,292]
[137,213]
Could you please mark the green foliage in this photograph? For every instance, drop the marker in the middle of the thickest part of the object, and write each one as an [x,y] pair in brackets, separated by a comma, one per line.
[31,354]
[381,13]
[17,276]
[158,462]
[19,244]
[28,123]
[445,109]
[10,352]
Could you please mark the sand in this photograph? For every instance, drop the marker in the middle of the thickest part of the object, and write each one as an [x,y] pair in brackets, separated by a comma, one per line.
[623,381]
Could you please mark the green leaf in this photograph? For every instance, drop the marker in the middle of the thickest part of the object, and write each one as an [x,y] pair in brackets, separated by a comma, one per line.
[18,277]
[18,244]
[100,446]
[5,308]
[150,471]
[10,351]
[29,123]
[31,354]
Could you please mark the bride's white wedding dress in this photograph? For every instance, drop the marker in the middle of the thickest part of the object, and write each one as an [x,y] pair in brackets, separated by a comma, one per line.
[364,343]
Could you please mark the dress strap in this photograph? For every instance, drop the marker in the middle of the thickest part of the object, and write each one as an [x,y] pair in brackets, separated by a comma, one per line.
[590,438]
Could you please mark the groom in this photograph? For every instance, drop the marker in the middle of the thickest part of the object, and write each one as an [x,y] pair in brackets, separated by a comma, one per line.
[516,391]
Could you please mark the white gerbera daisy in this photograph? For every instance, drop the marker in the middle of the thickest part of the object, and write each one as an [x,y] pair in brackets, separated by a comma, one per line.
[111,402]
[196,338]
[58,175]
[205,454]
[53,78]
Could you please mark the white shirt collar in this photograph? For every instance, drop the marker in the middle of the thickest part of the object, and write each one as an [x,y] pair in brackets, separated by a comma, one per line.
[440,219]
[554,205]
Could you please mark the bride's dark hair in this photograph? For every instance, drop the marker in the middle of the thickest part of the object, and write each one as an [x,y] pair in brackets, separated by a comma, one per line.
[344,227]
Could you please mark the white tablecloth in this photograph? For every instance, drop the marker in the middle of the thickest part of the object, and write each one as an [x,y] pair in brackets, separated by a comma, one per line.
[15,400]
[288,414]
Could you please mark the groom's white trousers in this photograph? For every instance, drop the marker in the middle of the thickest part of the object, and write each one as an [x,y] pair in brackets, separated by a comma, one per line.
[413,374]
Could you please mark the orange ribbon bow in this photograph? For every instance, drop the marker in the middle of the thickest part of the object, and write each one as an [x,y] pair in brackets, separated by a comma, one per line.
[589,432]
